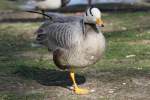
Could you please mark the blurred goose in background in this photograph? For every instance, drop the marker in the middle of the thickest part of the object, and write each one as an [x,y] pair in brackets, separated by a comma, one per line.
[44,4]
[76,42]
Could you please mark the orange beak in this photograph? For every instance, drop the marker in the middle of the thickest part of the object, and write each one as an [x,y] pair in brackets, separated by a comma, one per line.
[99,22]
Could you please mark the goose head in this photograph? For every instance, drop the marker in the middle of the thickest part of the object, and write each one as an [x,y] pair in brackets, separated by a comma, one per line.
[93,16]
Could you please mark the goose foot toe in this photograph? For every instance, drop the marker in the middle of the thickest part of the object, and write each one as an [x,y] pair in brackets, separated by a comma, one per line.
[81,91]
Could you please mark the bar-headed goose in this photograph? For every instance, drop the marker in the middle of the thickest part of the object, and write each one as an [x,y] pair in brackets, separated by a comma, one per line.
[44,5]
[76,42]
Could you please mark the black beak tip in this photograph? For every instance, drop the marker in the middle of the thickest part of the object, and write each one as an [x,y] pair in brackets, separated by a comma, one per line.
[102,25]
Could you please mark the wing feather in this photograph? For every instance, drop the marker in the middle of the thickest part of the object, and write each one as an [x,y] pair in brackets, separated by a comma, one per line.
[63,35]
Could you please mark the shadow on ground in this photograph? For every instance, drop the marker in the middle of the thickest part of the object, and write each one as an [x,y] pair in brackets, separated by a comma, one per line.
[48,77]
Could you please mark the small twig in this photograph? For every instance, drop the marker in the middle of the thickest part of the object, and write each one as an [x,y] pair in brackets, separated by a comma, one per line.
[39,13]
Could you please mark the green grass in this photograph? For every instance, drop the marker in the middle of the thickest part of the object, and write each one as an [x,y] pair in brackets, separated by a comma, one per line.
[26,73]
[10,5]
[6,5]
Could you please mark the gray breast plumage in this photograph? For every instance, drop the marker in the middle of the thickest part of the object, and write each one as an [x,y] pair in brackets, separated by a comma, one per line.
[70,43]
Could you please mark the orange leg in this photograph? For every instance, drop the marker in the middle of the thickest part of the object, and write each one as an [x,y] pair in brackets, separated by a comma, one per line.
[76,89]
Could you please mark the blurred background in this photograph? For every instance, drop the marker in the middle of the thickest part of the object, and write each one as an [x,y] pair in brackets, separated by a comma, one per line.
[11,10]
[28,73]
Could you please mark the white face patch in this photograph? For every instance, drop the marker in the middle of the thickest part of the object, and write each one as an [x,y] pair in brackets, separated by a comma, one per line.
[91,15]
[96,12]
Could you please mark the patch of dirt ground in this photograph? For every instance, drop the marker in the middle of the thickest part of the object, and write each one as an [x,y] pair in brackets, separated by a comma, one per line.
[106,86]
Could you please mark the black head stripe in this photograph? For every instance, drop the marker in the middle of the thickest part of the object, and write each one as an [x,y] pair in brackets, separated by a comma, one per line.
[90,10]
[86,13]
